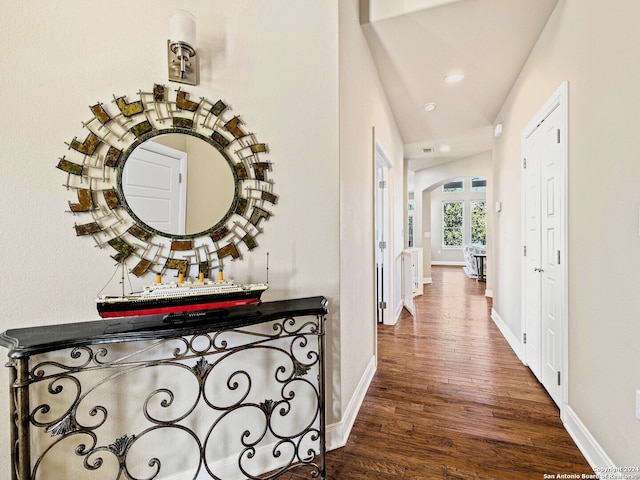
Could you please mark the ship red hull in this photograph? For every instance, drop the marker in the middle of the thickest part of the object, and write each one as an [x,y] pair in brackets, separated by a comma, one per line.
[182,309]
[108,309]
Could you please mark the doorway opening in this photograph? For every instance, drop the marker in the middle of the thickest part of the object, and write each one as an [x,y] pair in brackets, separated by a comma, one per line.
[382,261]
[455,222]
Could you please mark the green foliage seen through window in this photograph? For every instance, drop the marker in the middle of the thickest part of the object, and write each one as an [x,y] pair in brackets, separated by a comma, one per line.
[479,222]
[452,222]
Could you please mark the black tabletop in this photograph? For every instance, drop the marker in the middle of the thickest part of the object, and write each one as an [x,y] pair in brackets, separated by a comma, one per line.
[24,342]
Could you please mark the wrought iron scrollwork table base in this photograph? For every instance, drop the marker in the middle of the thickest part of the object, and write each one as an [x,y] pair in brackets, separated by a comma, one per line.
[220,394]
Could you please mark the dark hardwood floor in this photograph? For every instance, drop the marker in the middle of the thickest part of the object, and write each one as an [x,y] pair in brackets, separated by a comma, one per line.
[451,400]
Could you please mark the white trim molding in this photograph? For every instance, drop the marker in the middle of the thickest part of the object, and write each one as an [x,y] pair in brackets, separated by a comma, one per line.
[427,280]
[516,345]
[398,311]
[447,263]
[590,448]
[338,433]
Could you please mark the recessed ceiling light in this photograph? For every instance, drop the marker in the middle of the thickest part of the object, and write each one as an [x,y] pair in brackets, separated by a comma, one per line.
[430,107]
[454,78]
[444,148]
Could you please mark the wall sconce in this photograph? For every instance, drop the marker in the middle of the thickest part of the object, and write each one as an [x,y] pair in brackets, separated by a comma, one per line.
[181,48]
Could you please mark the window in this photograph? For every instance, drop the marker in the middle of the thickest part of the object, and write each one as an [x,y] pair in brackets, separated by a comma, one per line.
[479,222]
[456,185]
[478,184]
[411,209]
[452,222]
[410,231]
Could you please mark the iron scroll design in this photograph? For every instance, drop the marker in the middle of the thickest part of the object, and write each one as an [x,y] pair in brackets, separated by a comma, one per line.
[234,403]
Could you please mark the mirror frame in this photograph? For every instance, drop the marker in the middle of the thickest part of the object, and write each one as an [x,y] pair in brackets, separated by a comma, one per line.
[94,167]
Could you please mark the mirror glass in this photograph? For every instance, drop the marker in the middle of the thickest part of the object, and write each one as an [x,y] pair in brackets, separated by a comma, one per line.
[178,184]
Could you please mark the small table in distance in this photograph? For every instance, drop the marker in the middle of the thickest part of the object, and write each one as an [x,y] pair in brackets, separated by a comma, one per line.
[480,258]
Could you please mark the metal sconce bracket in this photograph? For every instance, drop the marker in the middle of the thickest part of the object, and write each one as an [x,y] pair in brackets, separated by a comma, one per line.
[183,63]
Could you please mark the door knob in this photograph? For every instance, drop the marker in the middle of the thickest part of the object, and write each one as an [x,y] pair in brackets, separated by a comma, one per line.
[538,270]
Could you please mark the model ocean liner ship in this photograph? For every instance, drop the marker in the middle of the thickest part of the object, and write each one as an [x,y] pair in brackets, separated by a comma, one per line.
[180,297]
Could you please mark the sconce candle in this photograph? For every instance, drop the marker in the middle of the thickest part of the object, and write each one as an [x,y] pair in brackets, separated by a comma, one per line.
[182,28]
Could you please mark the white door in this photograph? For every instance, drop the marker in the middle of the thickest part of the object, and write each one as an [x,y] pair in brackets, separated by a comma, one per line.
[152,183]
[544,277]
[532,246]
[551,176]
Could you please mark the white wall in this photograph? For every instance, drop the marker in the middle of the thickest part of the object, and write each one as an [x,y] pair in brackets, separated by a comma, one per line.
[247,60]
[275,63]
[363,108]
[595,48]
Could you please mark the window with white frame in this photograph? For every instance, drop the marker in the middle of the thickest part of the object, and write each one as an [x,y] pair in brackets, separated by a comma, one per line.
[452,224]
[456,185]
[479,222]
[478,184]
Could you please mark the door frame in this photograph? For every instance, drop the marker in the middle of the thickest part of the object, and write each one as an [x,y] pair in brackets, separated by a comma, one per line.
[559,100]
[382,162]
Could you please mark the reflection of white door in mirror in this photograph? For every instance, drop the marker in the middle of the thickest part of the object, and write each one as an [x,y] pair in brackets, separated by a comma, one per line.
[152,184]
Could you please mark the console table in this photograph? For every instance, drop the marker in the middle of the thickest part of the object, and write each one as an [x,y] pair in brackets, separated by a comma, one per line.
[220,394]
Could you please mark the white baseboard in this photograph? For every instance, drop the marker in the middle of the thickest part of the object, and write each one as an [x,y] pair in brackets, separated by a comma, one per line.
[590,448]
[516,345]
[392,319]
[398,312]
[338,433]
[447,263]
[488,293]
[427,280]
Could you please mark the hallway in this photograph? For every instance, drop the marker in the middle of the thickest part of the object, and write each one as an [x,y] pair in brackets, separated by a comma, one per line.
[451,400]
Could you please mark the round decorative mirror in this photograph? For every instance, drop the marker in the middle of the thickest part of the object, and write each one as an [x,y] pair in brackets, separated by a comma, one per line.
[169,184]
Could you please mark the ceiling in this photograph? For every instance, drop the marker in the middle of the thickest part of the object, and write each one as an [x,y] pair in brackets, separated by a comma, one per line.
[416,43]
